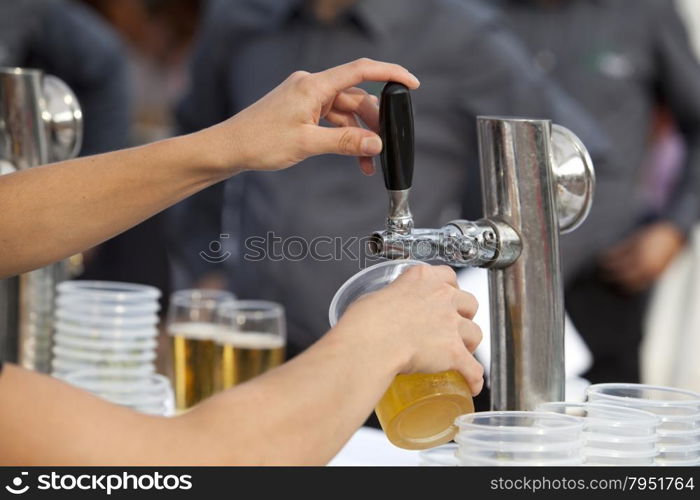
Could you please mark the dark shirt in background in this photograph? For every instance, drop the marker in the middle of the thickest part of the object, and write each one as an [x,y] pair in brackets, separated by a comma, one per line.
[619,59]
[468,65]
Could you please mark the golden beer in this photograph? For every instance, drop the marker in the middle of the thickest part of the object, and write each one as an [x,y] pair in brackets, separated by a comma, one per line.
[418,410]
[194,355]
[241,356]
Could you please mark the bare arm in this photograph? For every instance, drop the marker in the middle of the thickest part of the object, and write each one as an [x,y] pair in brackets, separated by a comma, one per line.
[54,211]
[300,413]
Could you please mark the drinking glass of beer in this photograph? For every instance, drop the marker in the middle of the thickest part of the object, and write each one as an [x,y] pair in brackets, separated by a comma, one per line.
[418,410]
[251,340]
[193,328]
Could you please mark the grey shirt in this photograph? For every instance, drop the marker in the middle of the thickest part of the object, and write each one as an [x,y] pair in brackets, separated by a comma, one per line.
[619,58]
[468,65]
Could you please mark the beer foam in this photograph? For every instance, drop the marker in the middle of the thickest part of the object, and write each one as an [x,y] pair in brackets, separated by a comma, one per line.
[251,340]
[194,330]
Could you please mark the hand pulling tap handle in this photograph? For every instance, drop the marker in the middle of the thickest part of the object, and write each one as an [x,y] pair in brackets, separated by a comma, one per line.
[396,131]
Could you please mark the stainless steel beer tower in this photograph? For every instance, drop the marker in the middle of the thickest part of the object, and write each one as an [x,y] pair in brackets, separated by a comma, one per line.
[537,182]
[40,122]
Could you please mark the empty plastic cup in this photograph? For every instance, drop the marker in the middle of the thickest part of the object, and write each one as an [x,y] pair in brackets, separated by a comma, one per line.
[521,438]
[614,435]
[678,410]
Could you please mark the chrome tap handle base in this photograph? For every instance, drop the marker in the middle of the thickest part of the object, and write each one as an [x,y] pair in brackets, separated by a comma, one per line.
[460,243]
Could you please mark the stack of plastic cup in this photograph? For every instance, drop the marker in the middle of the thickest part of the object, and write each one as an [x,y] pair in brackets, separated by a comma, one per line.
[151,394]
[614,435]
[678,410]
[107,326]
[105,342]
[519,438]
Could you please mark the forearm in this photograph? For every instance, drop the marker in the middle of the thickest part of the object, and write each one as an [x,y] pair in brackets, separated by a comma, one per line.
[301,413]
[54,211]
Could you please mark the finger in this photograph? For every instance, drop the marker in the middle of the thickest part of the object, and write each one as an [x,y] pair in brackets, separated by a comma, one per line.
[466,303]
[351,141]
[345,100]
[363,70]
[472,371]
[446,274]
[341,119]
[367,165]
[471,334]
[359,102]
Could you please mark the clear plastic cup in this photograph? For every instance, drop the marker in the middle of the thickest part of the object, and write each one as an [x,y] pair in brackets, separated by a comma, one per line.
[678,410]
[104,344]
[605,418]
[685,437]
[117,375]
[506,460]
[669,454]
[61,367]
[442,456]
[81,354]
[506,438]
[418,410]
[641,395]
[613,433]
[604,457]
[108,291]
[77,305]
[150,394]
[112,334]
[123,322]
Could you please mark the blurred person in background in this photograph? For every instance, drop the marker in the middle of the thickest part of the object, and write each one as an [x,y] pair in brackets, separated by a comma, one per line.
[469,65]
[157,35]
[621,60]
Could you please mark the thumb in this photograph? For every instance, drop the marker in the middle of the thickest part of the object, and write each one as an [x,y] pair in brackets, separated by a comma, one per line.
[352,141]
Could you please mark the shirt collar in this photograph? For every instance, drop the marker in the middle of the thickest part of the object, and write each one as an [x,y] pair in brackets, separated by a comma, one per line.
[377,17]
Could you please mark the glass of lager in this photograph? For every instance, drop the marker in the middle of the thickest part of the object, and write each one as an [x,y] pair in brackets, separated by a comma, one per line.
[418,410]
[251,340]
[193,329]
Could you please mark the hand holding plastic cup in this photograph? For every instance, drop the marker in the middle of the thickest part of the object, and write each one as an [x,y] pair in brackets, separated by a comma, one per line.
[418,410]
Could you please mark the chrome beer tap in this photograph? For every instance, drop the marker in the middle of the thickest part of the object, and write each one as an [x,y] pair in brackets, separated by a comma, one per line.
[537,182]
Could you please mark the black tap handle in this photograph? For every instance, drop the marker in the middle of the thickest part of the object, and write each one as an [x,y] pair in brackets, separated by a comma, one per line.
[396,131]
